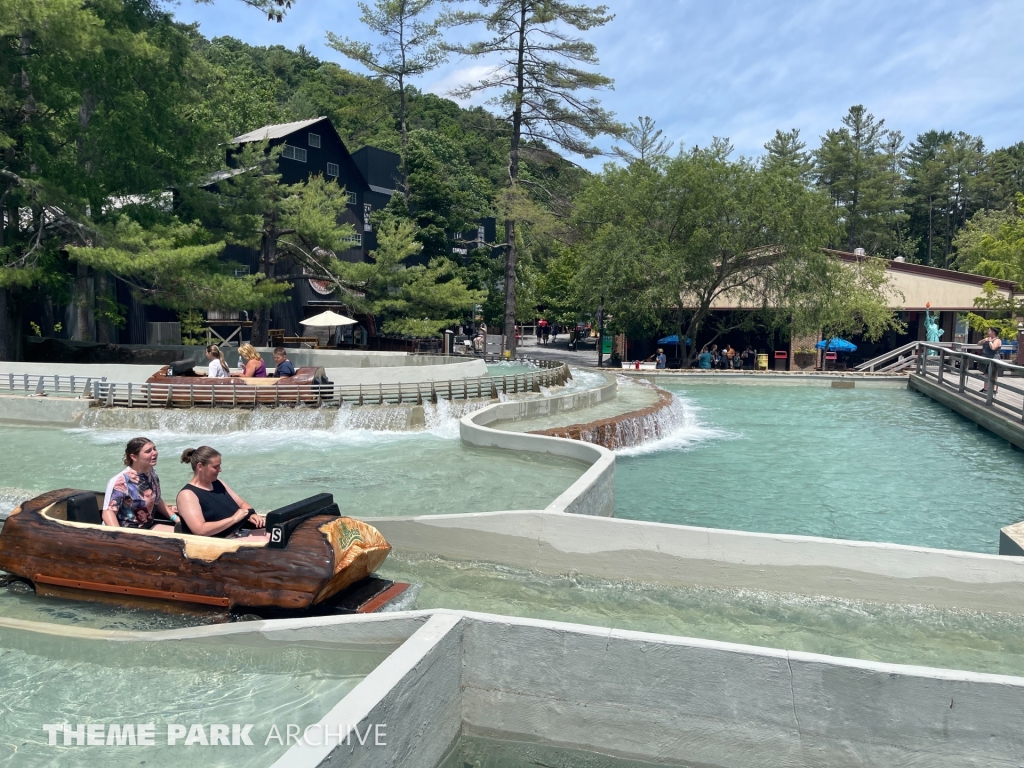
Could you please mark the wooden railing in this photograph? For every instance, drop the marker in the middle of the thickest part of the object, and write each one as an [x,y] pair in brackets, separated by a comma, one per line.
[953,368]
[111,394]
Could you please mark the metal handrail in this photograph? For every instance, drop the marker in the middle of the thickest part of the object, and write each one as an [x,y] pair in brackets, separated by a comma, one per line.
[959,366]
[40,384]
[147,395]
[875,364]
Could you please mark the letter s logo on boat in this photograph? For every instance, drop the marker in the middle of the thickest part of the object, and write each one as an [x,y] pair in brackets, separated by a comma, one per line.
[275,535]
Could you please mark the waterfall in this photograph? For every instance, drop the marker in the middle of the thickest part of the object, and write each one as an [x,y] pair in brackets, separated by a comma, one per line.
[645,427]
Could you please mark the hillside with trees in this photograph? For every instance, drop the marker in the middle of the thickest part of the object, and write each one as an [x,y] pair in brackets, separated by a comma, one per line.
[106,106]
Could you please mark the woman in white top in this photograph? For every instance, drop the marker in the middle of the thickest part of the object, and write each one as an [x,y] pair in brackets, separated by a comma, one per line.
[218,368]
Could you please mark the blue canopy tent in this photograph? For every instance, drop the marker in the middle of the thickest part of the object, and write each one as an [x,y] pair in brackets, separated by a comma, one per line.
[673,339]
[835,344]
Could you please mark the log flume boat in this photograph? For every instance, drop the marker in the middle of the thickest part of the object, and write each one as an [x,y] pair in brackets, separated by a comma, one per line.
[182,386]
[313,562]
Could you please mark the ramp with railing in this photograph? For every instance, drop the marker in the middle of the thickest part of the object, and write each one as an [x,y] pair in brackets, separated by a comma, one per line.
[988,391]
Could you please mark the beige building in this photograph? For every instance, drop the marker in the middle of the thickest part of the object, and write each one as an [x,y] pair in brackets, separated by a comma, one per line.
[915,286]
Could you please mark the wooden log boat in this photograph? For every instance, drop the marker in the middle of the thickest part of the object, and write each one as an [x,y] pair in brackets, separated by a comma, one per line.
[312,554]
[179,384]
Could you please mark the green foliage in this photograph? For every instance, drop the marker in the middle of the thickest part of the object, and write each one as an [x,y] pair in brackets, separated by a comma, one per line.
[835,298]
[175,266]
[415,301]
[992,243]
[193,328]
[1001,312]
[665,241]
[858,166]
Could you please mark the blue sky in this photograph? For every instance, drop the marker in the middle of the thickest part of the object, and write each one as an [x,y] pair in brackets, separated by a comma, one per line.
[742,68]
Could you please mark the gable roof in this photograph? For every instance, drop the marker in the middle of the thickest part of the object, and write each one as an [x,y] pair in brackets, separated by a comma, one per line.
[278,131]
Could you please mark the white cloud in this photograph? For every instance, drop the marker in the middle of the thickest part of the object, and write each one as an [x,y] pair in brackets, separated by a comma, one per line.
[742,68]
[459,76]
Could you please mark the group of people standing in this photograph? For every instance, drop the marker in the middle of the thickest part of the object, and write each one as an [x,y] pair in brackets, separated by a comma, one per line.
[726,359]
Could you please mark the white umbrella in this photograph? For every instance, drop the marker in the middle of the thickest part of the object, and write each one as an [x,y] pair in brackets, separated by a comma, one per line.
[329,318]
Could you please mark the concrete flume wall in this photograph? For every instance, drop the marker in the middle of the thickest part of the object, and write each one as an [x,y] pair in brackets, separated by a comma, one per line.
[637,695]
[706,703]
[594,492]
[678,555]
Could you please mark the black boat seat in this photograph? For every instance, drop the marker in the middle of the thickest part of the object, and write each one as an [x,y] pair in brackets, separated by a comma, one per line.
[182,368]
[82,508]
[282,521]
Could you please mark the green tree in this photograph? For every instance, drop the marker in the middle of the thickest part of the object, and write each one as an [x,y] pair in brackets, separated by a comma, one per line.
[539,75]
[851,166]
[175,265]
[410,46]
[946,180]
[415,301]
[663,244]
[645,142]
[95,104]
[992,243]
[786,154]
[840,299]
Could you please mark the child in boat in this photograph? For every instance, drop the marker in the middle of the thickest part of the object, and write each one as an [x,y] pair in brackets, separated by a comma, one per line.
[283,365]
[218,367]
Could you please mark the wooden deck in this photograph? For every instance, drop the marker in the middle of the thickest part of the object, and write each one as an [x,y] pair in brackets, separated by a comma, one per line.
[1003,416]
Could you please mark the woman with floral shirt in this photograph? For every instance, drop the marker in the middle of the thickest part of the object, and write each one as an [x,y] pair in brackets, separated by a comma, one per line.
[133,495]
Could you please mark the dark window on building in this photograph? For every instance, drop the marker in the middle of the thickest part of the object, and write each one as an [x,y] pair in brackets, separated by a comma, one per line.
[332,169]
[294,153]
[314,140]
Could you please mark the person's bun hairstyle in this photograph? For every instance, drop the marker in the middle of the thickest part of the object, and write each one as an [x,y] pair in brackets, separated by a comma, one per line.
[204,454]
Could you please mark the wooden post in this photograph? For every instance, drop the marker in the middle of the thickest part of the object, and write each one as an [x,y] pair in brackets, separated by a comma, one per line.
[963,373]
[149,395]
[942,364]
[991,383]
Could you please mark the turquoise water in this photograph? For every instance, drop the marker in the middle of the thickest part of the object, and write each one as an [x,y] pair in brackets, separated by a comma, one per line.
[869,464]
[370,473]
[50,679]
[932,637]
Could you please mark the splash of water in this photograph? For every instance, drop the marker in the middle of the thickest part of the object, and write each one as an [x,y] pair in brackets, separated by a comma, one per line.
[677,427]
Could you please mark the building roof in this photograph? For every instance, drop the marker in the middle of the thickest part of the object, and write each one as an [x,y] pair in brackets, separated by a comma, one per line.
[278,131]
[934,272]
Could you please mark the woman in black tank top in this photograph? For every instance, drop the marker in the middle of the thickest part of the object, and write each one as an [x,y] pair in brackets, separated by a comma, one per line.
[206,505]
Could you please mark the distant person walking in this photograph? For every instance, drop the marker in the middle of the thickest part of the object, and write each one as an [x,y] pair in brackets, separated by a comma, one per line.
[705,360]
[540,331]
[990,349]
[546,331]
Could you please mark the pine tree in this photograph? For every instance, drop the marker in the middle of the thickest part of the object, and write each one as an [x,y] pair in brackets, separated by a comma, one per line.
[850,165]
[787,155]
[410,47]
[539,77]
